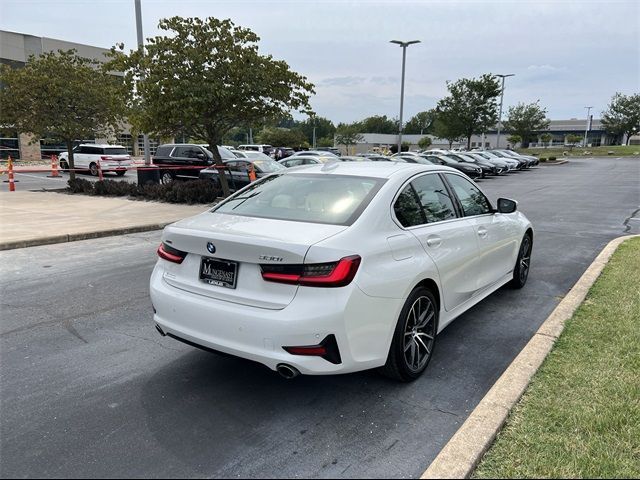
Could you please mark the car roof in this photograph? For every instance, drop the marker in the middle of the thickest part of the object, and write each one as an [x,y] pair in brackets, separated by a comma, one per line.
[100,145]
[370,169]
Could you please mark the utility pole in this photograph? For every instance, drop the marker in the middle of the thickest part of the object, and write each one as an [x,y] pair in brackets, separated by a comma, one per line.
[314,133]
[586,128]
[500,114]
[145,137]
[404,46]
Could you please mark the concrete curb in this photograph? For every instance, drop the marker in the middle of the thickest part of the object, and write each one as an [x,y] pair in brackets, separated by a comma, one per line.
[461,454]
[72,237]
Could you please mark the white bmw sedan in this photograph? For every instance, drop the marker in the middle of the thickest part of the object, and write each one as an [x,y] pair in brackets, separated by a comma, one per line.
[338,267]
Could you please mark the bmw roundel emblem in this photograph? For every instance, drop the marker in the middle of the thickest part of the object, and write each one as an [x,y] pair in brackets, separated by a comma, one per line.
[211,247]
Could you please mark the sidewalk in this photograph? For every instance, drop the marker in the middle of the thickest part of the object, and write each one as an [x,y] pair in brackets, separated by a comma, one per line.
[40,218]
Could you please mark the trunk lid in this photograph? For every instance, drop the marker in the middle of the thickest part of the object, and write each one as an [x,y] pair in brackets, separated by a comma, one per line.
[249,242]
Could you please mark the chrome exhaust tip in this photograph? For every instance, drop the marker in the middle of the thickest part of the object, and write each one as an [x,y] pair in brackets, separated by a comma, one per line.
[287,371]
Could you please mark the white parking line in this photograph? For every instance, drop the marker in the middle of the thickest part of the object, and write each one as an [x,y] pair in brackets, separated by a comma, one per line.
[44,177]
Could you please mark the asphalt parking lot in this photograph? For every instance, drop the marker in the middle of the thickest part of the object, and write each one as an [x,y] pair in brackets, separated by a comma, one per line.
[89,389]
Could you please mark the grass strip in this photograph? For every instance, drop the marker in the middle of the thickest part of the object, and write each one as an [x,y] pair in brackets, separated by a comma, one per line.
[580,416]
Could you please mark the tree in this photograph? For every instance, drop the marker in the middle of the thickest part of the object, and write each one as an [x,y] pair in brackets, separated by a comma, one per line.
[572,139]
[525,120]
[205,77]
[378,124]
[545,138]
[324,128]
[421,123]
[424,142]
[514,139]
[470,107]
[61,96]
[282,137]
[348,135]
[446,129]
[622,115]
[324,142]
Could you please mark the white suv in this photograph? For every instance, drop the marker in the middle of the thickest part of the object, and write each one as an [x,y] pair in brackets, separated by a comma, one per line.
[92,157]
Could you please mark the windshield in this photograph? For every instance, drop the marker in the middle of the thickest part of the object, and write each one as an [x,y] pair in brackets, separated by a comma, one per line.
[313,198]
[269,166]
[116,151]
[256,155]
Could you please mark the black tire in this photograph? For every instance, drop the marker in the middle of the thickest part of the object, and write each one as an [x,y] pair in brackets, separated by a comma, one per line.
[64,166]
[93,169]
[167,177]
[121,173]
[523,262]
[411,340]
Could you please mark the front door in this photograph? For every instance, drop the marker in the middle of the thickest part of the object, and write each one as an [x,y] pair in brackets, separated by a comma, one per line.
[496,235]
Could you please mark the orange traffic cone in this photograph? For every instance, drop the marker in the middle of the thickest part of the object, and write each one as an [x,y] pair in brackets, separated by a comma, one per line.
[54,167]
[252,173]
[12,185]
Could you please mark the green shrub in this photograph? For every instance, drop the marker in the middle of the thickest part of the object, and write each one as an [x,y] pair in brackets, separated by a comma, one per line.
[194,191]
[543,159]
[80,185]
[552,159]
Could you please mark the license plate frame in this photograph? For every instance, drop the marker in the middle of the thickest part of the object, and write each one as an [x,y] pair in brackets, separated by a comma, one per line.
[216,271]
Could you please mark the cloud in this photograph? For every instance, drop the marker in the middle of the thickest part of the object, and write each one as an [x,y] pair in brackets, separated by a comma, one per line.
[341,81]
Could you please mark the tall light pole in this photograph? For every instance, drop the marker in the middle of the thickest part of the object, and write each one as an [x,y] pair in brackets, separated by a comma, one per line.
[586,128]
[404,46]
[501,98]
[145,137]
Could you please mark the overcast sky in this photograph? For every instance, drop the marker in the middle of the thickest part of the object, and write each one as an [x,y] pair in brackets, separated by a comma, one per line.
[567,54]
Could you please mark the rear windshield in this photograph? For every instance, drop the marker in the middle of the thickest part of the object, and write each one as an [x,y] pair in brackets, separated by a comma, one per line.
[116,151]
[313,198]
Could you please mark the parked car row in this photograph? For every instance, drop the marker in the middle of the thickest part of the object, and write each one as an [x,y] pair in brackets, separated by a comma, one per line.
[197,161]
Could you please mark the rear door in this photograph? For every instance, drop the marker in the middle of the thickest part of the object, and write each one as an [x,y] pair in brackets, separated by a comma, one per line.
[81,157]
[180,161]
[239,170]
[497,235]
[425,208]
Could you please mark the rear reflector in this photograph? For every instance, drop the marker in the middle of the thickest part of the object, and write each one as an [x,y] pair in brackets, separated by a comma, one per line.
[171,254]
[327,349]
[331,274]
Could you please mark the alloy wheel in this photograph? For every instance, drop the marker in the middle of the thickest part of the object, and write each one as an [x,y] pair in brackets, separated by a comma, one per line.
[419,333]
[525,260]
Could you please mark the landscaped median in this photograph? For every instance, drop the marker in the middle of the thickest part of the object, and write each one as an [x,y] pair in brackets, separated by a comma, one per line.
[580,416]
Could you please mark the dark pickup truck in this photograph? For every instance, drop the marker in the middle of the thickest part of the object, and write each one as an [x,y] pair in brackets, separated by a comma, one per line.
[185,160]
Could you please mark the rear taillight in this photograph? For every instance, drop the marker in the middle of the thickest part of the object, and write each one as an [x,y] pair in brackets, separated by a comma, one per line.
[332,274]
[171,254]
[105,158]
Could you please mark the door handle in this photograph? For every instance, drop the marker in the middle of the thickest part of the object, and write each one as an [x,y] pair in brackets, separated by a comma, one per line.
[482,232]
[434,241]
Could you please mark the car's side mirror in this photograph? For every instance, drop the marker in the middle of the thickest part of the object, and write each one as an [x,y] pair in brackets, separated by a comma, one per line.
[201,156]
[507,206]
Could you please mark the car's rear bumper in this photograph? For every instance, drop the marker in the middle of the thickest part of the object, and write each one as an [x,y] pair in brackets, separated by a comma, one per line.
[362,325]
[115,166]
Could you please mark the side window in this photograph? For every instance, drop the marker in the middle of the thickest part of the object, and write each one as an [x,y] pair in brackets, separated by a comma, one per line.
[434,198]
[92,150]
[238,166]
[471,198]
[180,152]
[407,208]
